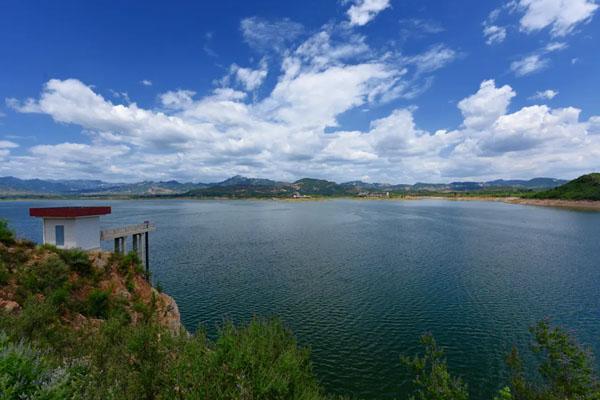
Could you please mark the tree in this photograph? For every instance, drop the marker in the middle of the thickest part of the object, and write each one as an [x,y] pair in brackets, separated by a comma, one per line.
[432,380]
[566,369]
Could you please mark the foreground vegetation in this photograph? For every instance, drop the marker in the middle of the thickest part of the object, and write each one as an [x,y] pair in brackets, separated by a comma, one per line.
[67,336]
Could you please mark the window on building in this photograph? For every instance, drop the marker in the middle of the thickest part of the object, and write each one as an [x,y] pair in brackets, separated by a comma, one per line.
[59,235]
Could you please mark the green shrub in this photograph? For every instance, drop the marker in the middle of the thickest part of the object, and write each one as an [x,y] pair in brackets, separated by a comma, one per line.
[16,257]
[60,296]
[25,373]
[431,378]
[38,322]
[78,260]
[44,276]
[261,360]
[7,236]
[566,369]
[131,261]
[4,273]
[49,247]
[129,362]
[98,303]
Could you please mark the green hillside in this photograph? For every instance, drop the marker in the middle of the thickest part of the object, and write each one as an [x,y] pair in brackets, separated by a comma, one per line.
[586,187]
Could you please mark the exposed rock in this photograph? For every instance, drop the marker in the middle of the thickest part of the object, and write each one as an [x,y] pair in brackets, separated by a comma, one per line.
[168,313]
[10,306]
[126,286]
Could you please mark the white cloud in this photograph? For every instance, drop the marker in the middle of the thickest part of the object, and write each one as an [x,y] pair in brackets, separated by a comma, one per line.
[548,94]
[177,99]
[363,11]
[537,61]
[555,46]
[436,57]
[528,65]
[562,16]
[481,109]
[594,125]
[494,34]
[250,79]
[284,137]
[289,131]
[415,27]
[264,35]
[7,144]
[146,82]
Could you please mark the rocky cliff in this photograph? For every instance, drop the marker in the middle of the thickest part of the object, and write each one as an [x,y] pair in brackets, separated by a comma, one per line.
[85,287]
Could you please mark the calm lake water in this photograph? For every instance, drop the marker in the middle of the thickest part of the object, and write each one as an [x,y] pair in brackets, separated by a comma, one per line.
[360,281]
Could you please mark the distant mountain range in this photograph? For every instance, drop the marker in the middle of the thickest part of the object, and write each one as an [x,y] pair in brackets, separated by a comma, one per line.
[239,186]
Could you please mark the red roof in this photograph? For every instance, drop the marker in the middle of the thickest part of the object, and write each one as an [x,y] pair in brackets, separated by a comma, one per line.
[68,212]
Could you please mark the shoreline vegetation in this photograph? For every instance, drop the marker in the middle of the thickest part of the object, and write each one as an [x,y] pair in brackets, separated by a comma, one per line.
[88,325]
[590,205]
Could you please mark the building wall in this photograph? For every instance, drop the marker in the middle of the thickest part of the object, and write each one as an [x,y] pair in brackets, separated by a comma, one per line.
[88,233]
[79,232]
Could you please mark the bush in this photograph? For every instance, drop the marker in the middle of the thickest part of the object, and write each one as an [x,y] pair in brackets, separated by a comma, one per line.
[128,362]
[4,273]
[566,369]
[432,381]
[261,360]
[44,276]
[38,322]
[7,236]
[60,296]
[78,260]
[26,374]
[98,303]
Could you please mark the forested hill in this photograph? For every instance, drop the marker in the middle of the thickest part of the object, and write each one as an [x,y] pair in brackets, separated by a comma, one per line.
[242,187]
[586,187]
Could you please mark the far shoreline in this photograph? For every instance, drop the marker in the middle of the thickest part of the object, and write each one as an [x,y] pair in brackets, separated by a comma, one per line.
[583,205]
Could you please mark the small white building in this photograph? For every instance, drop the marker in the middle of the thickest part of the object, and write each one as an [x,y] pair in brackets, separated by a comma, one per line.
[71,227]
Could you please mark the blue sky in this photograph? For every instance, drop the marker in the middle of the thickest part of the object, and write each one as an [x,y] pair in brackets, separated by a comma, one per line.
[379,90]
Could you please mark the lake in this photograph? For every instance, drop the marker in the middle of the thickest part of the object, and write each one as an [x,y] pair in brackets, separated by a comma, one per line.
[360,281]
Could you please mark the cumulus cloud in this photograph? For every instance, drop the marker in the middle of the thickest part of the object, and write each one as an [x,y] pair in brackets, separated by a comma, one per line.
[284,136]
[594,125]
[483,108]
[177,99]
[562,16]
[7,144]
[548,94]
[363,11]
[293,129]
[249,78]
[146,82]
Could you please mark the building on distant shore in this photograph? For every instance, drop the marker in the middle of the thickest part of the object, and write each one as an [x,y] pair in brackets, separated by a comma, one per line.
[297,195]
[71,227]
[374,194]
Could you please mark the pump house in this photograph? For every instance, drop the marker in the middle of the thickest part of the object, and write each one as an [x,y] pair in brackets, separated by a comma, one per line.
[71,227]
